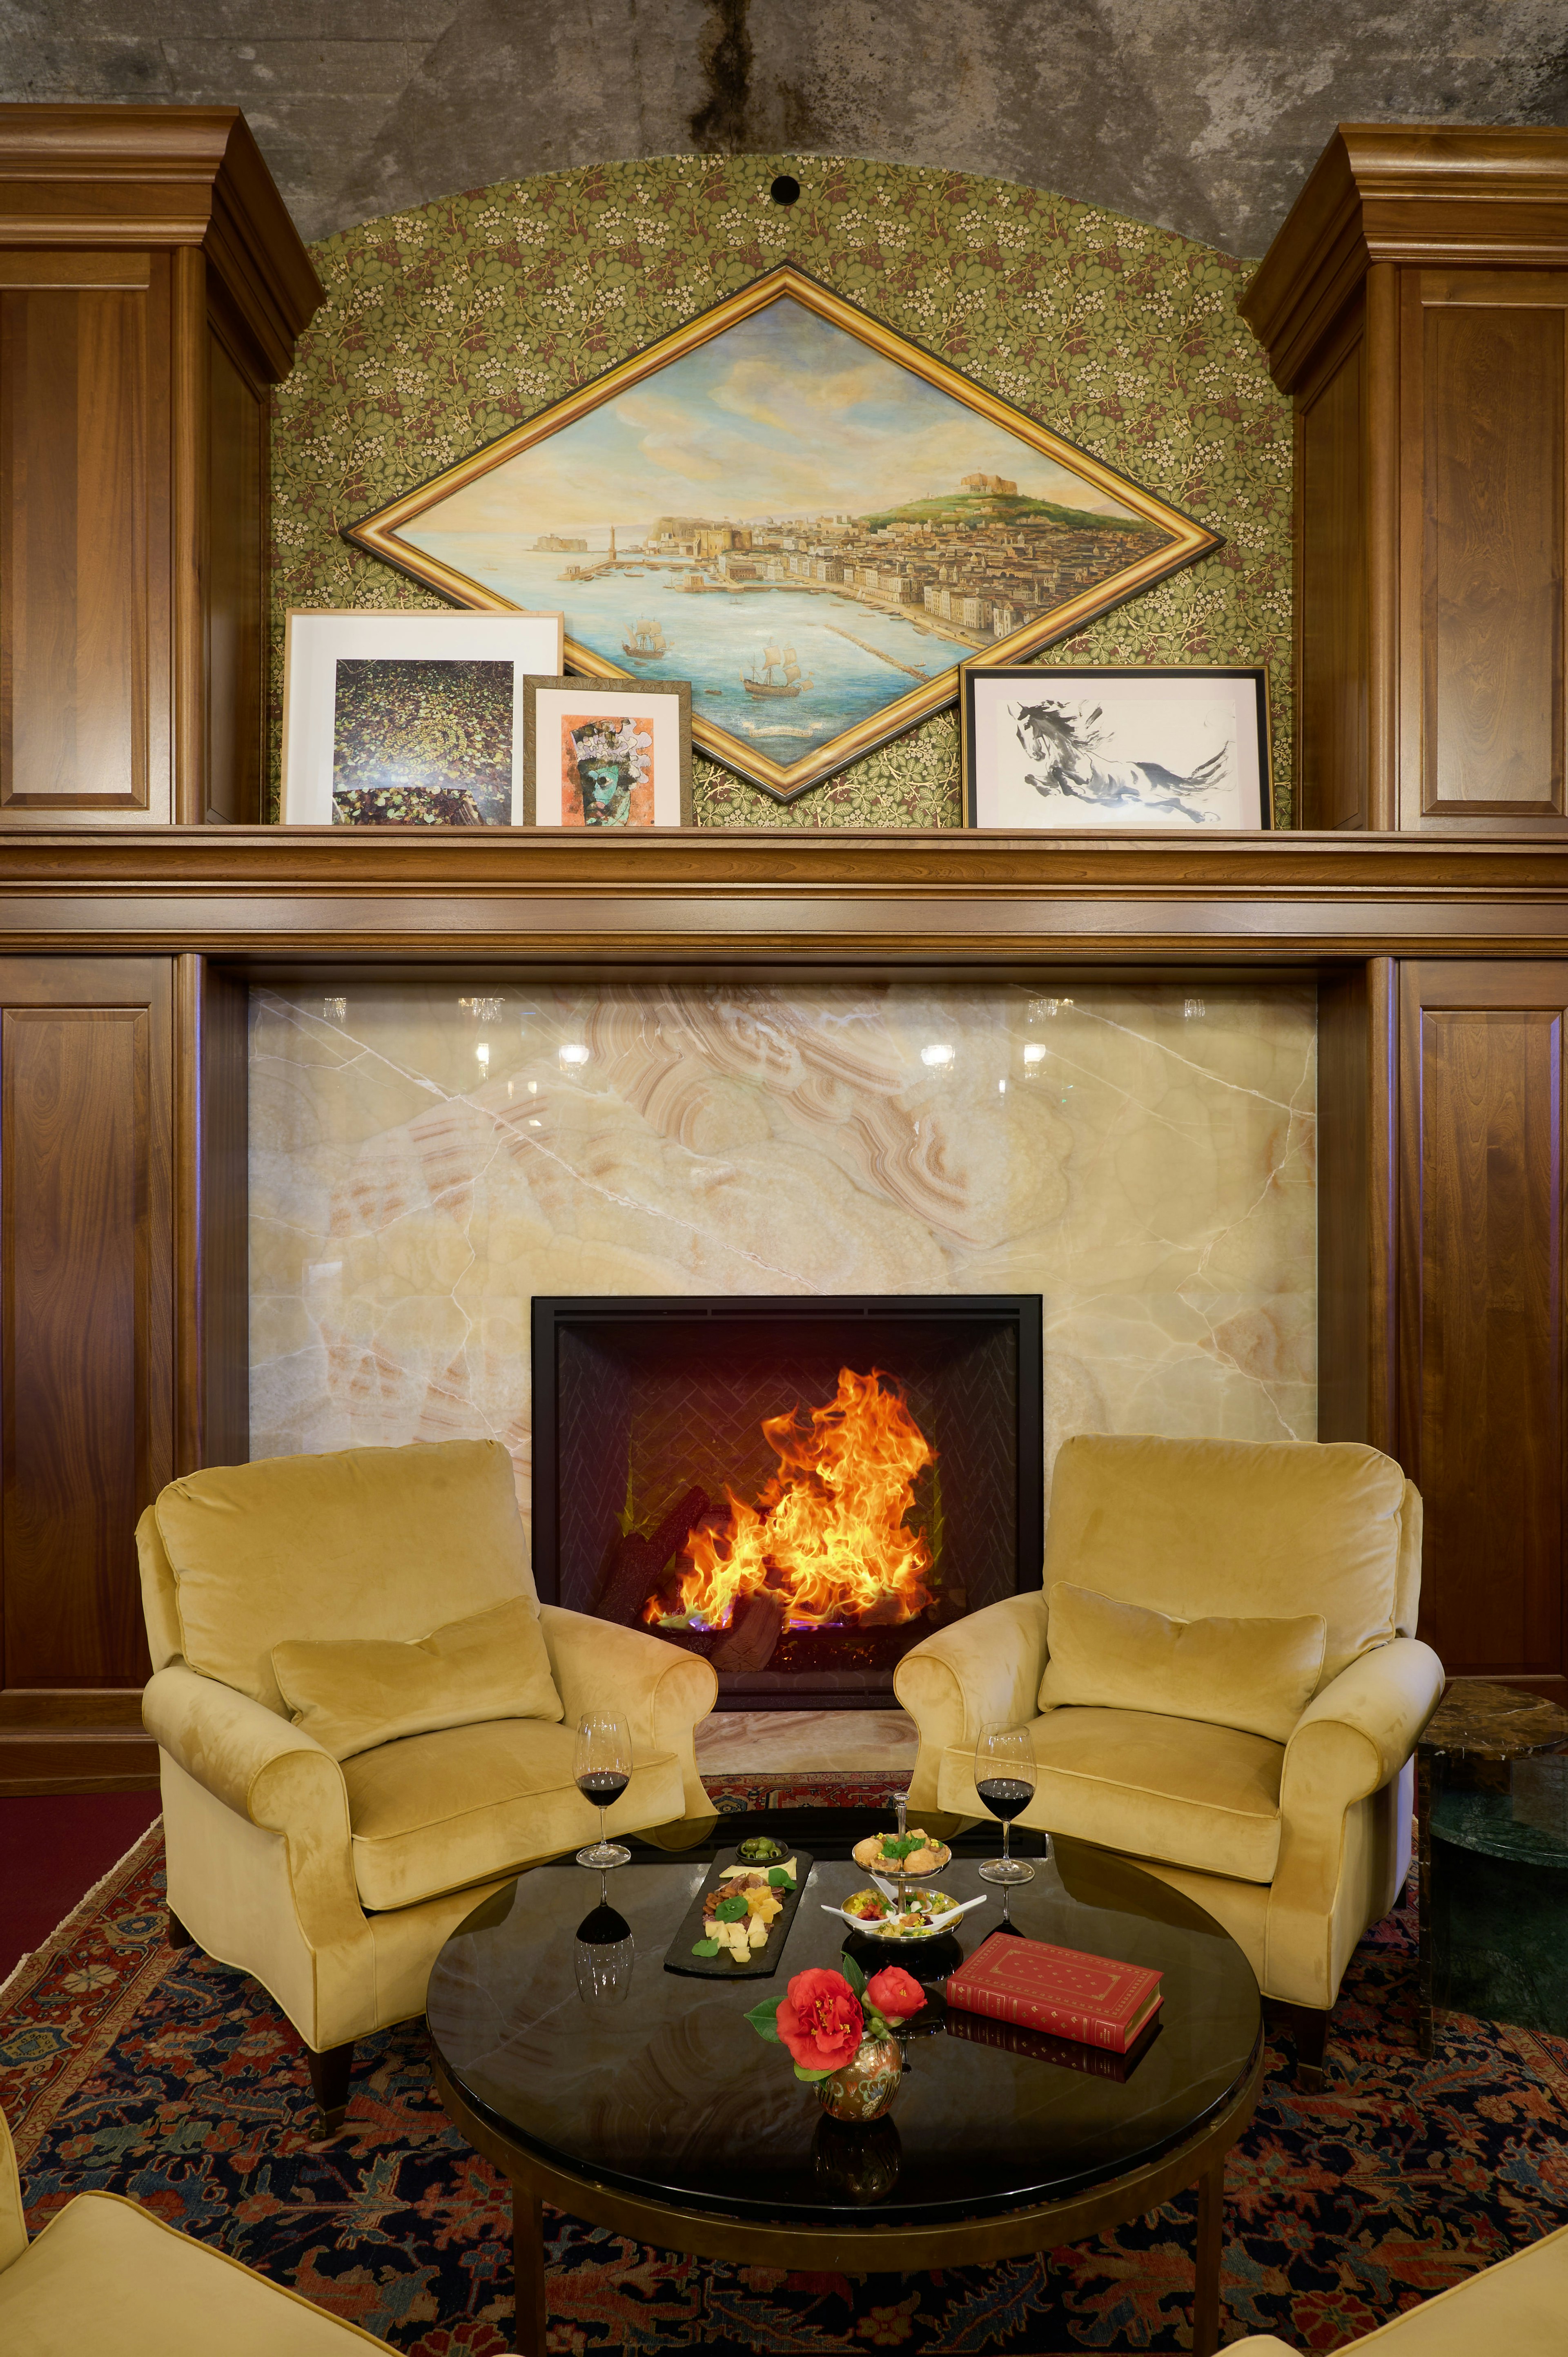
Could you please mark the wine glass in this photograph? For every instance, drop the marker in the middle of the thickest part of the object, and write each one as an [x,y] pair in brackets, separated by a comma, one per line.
[602,1771]
[1005,1779]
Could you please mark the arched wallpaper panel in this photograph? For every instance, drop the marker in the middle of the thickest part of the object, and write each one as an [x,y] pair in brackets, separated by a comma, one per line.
[446,325]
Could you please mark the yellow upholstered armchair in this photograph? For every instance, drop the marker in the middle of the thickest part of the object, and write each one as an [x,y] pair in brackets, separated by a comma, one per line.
[331,1864]
[1221,1679]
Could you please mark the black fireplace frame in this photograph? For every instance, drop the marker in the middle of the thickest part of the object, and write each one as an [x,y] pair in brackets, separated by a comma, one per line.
[553,1314]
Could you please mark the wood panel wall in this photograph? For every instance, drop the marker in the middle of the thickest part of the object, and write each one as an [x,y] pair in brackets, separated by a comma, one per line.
[151,288]
[1414,305]
[1483,1329]
[87,1353]
[1482,429]
[84,500]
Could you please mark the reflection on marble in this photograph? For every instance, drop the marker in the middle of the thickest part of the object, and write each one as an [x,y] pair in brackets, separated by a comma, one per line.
[802,1742]
[425,1157]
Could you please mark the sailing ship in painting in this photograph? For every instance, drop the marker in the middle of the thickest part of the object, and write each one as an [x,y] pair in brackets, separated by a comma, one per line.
[779,673]
[646,642]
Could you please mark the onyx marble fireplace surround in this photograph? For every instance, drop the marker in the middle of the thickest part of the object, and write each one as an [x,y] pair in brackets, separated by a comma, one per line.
[1111,1188]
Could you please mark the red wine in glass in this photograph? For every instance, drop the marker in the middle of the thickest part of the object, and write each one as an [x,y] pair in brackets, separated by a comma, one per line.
[602,1771]
[1005,1779]
[1006,1796]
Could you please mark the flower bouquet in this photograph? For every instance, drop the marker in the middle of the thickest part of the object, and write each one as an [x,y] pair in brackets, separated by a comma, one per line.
[838,2030]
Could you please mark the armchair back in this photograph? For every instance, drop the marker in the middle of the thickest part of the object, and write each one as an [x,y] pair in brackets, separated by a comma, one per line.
[1270,1529]
[363,1543]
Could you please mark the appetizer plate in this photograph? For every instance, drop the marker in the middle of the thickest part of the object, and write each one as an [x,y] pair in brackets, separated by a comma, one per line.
[923,1855]
[758,1962]
[916,1914]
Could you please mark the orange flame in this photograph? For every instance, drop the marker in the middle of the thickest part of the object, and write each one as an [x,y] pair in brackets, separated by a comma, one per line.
[827,1535]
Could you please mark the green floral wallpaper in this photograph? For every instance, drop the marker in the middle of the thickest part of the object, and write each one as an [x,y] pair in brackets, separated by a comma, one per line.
[445,326]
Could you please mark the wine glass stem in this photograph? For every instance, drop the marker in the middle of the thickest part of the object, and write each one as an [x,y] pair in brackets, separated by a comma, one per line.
[1006,1841]
[601,1824]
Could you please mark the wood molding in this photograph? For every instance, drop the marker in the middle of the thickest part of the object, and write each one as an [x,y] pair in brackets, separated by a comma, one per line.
[700,898]
[1405,192]
[161,177]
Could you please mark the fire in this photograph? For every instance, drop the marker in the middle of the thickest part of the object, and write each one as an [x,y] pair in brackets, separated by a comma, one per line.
[827,1535]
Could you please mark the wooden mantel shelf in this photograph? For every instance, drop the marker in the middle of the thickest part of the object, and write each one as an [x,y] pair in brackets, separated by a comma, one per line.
[910,899]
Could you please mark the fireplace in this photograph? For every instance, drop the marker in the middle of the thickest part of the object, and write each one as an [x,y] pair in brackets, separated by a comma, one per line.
[800,1488]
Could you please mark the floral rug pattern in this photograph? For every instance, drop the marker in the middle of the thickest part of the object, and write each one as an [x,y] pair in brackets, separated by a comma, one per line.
[125,2067]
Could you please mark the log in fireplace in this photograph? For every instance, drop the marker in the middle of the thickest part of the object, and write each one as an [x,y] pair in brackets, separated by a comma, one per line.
[800,1488]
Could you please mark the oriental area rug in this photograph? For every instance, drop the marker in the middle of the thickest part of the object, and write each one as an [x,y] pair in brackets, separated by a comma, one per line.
[168,2078]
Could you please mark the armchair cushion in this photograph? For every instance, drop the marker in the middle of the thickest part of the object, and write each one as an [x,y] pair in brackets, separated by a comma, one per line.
[1171,1788]
[1255,1675]
[1191,1527]
[353,1694]
[365,1543]
[435,1811]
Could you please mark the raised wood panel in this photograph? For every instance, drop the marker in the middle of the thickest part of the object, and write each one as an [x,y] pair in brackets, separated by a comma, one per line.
[151,286]
[74,1180]
[1356,1209]
[235,587]
[1483,1312]
[1492,556]
[1331,714]
[83,507]
[212,1251]
[86,1342]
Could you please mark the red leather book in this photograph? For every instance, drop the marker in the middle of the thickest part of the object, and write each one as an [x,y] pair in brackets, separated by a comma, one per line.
[1092,1998]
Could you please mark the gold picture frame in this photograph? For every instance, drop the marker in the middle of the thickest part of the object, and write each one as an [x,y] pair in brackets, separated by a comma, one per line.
[947,574]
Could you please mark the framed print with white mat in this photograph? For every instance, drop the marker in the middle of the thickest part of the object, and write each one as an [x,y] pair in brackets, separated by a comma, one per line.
[408,719]
[1101,746]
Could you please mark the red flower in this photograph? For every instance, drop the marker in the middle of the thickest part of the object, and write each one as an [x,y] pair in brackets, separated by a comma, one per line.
[820,2020]
[895,1993]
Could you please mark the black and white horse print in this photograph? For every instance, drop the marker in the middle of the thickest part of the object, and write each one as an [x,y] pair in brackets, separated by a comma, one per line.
[1060,743]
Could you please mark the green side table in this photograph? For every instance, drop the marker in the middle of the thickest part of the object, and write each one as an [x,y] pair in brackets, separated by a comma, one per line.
[1492,1805]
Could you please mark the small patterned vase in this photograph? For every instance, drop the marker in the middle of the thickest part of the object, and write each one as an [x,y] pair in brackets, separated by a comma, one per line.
[867,2084]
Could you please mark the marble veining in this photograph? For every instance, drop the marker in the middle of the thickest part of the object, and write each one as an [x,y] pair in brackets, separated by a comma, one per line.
[425,1157]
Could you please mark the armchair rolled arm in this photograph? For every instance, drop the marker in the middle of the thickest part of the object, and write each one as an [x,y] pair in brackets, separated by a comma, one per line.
[985,1667]
[270,1771]
[1360,1731]
[662,1692]
[1347,1744]
[261,1766]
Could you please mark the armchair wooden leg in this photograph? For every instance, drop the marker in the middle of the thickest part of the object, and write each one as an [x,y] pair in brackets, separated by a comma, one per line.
[179,1937]
[329,2084]
[1308,2025]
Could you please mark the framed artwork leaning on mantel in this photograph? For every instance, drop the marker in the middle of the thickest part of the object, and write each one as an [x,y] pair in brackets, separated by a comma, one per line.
[801,512]
[617,758]
[1096,746]
[408,719]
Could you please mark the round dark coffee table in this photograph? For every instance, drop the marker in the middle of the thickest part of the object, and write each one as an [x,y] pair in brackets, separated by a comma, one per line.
[663,2115]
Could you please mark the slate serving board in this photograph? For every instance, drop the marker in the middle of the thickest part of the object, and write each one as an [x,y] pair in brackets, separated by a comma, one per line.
[762,1963]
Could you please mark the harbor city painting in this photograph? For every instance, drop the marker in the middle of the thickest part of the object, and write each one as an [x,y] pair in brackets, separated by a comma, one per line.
[813,520]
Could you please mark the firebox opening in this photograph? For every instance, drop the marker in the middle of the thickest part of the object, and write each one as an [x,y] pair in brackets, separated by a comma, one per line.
[799,1490]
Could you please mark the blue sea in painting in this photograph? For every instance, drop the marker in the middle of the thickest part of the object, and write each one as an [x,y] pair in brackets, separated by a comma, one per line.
[714,636]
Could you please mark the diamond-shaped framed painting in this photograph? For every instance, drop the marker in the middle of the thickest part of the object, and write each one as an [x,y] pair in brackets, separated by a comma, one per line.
[806,515]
